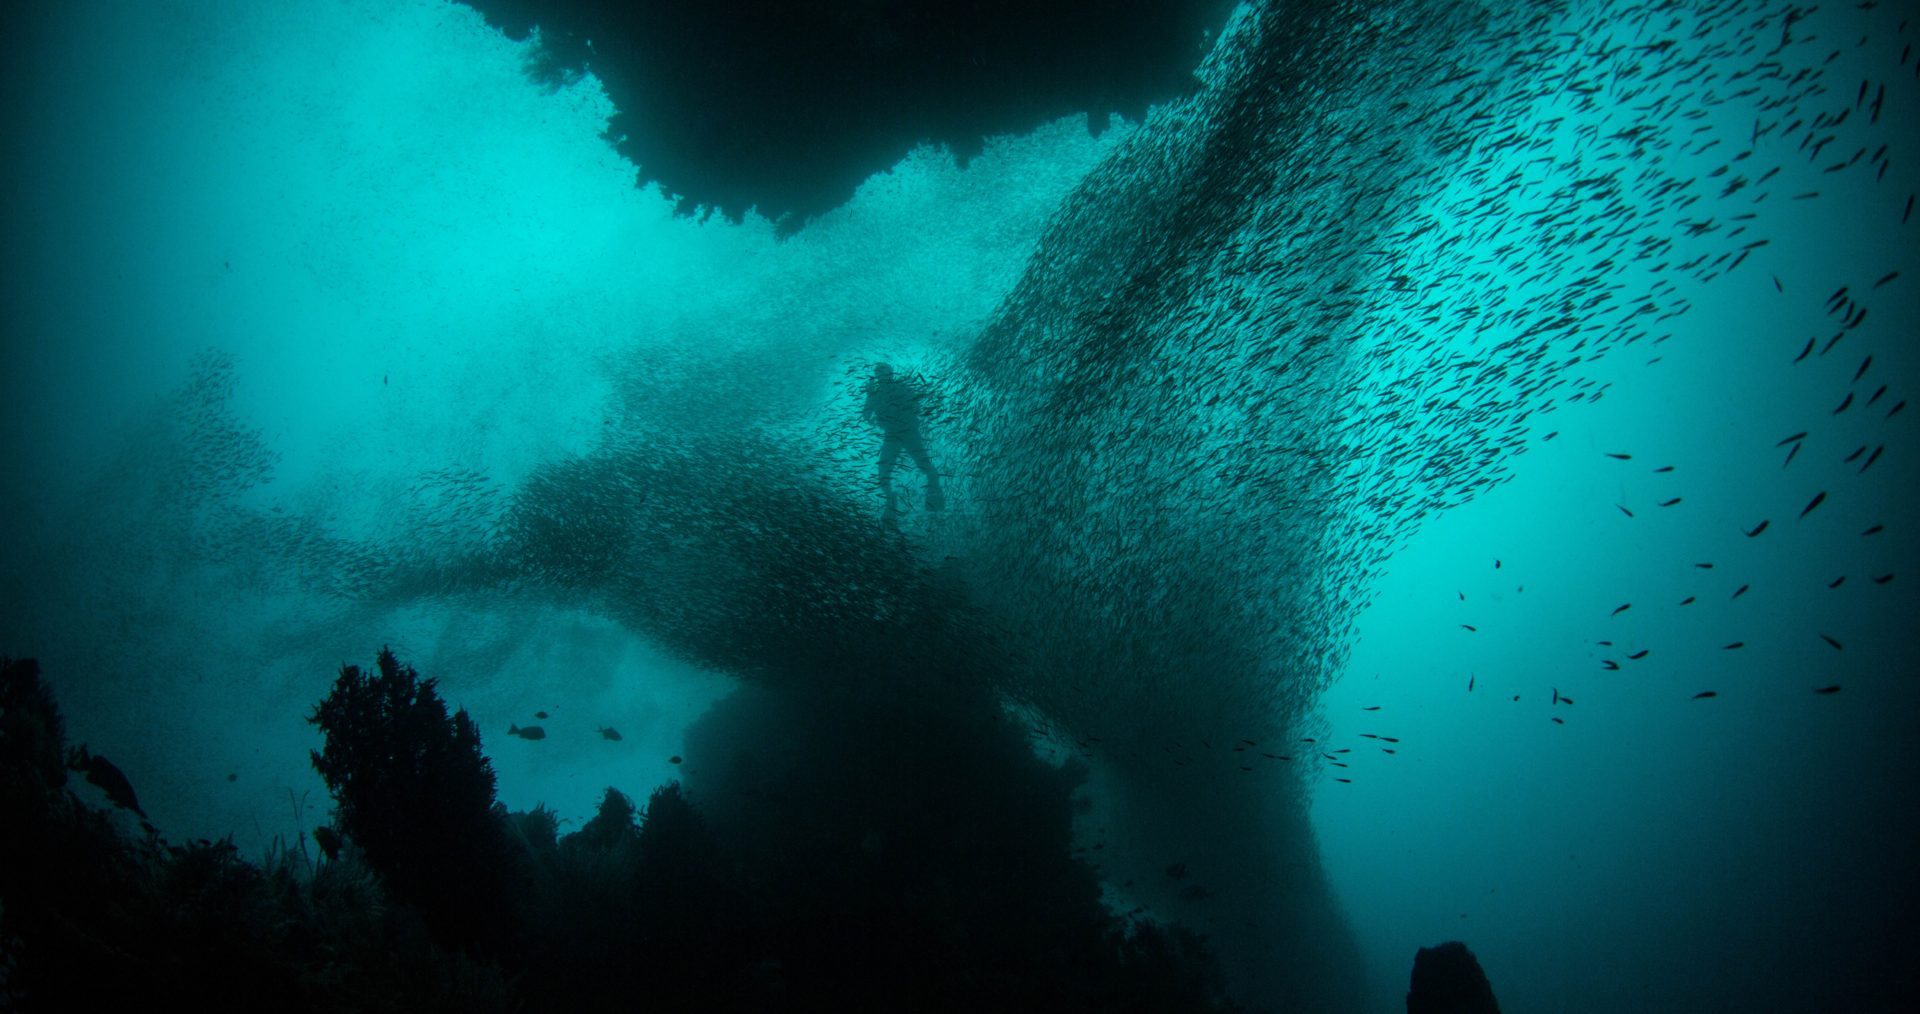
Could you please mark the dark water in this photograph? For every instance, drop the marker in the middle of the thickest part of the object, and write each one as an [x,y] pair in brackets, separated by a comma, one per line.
[1381,406]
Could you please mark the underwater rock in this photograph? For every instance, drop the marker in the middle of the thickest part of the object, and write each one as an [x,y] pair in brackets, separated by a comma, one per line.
[787,107]
[1447,980]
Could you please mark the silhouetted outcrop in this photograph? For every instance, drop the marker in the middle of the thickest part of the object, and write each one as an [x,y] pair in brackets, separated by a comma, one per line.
[787,106]
[899,850]
[1447,980]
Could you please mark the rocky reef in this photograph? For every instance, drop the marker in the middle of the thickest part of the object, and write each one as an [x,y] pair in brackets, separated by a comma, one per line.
[793,873]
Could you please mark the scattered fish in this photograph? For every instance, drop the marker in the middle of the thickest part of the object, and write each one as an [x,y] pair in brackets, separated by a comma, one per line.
[1704,694]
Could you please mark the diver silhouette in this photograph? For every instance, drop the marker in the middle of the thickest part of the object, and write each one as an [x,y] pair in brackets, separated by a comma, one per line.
[894,405]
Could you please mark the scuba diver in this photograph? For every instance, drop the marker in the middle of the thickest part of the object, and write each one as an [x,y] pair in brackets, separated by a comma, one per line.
[894,405]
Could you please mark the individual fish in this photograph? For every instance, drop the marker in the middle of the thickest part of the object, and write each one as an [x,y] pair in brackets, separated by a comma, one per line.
[1835,583]
[1388,739]
[1558,699]
[1470,628]
[1618,456]
[1470,680]
[609,732]
[1849,459]
[1831,641]
[1884,279]
[1373,708]
[1664,468]
[1496,565]
[1862,371]
[1670,503]
[1875,530]
[1830,689]
[1621,608]
[1883,579]
[1732,645]
[1606,663]
[1689,600]
[1844,402]
[1638,655]
[1875,456]
[540,715]
[675,759]
[1756,530]
[1796,438]
[1704,566]
[529,732]
[1742,590]
[1557,720]
[1806,351]
[1624,510]
[1704,694]
[1791,451]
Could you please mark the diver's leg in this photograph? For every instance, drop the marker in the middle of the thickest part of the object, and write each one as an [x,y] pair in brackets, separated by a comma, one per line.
[936,499]
[889,453]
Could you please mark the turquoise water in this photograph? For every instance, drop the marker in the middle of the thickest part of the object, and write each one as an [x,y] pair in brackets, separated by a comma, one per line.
[1344,387]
